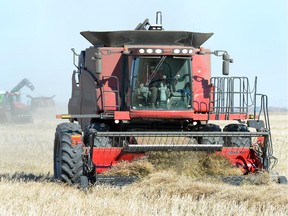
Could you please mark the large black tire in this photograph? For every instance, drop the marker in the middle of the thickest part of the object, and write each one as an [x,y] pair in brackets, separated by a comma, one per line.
[68,161]
[237,141]
[209,128]
[98,141]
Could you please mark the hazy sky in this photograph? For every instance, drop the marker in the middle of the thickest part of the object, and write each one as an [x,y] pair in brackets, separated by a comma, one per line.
[36,37]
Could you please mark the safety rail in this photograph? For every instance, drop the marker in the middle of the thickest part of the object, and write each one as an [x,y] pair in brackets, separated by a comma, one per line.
[231,95]
[263,113]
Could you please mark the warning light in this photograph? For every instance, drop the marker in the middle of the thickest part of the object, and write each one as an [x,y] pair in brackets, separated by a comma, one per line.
[75,139]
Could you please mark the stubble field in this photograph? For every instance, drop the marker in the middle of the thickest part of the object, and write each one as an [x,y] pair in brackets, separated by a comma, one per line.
[27,186]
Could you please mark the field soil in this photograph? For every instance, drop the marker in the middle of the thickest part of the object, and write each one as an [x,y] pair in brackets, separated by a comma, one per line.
[27,186]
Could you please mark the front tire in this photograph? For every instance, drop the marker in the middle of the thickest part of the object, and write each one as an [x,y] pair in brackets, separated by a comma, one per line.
[208,128]
[103,142]
[237,141]
[68,161]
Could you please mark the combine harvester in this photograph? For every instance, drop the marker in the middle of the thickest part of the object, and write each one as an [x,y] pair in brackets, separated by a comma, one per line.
[12,109]
[151,90]
[41,102]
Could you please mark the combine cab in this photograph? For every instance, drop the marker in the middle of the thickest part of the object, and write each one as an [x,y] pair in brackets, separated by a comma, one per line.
[151,90]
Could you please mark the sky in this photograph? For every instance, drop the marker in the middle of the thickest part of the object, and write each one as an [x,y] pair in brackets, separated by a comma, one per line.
[37,36]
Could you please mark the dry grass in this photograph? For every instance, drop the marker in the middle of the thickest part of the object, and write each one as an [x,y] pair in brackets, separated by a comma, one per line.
[139,168]
[27,186]
[192,164]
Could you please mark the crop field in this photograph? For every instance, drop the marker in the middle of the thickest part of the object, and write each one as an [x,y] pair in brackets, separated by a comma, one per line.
[27,186]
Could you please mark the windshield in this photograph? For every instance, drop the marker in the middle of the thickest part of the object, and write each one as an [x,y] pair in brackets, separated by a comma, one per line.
[161,82]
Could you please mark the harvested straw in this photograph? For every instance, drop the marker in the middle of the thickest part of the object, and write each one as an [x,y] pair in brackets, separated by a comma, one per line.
[193,164]
[138,168]
[258,178]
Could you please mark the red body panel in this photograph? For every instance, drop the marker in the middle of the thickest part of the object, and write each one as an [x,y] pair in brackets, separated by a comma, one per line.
[245,158]
[112,67]
[201,73]
[181,114]
[105,158]
[121,115]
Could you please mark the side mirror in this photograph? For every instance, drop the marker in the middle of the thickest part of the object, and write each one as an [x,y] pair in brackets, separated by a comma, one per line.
[226,62]
[98,62]
[225,68]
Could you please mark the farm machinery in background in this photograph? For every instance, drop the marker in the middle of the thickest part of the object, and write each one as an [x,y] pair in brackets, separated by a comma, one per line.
[41,102]
[151,90]
[12,109]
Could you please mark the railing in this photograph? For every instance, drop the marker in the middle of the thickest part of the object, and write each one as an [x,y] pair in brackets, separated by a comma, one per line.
[263,113]
[231,95]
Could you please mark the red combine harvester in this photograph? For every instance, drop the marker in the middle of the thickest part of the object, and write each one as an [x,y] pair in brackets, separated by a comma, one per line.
[151,90]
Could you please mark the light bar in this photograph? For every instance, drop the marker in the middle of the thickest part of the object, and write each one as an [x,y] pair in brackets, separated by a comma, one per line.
[159,51]
[150,51]
[183,51]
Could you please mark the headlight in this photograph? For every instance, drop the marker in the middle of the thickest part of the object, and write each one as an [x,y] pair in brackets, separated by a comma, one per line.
[184,51]
[149,51]
[158,51]
[176,51]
